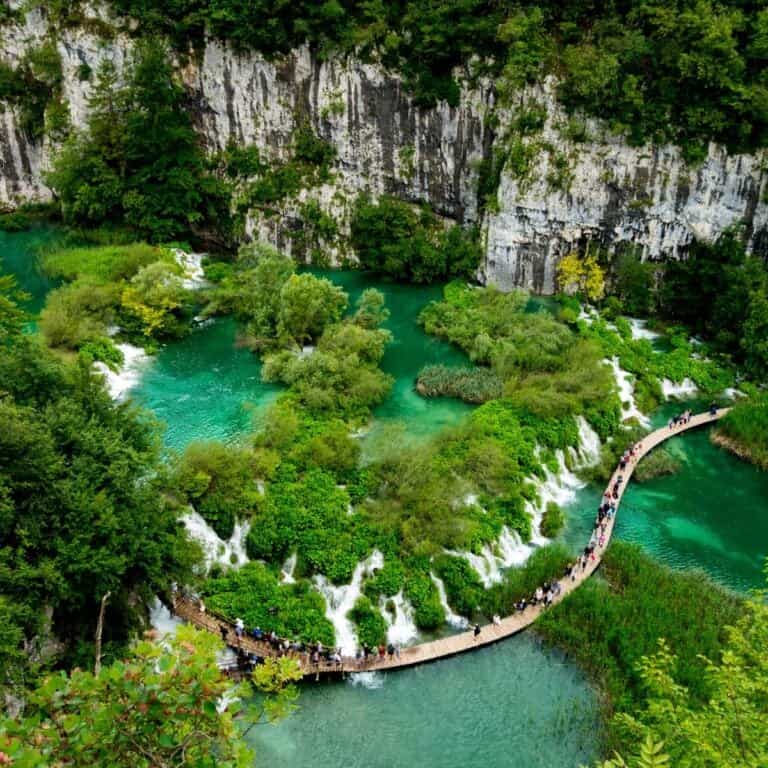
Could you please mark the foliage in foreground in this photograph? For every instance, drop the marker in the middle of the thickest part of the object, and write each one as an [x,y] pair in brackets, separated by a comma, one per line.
[610,624]
[81,513]
[160,708]
[472,385]
[720,726]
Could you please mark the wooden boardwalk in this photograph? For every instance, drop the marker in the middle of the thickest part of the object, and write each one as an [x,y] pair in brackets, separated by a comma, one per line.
[464,641]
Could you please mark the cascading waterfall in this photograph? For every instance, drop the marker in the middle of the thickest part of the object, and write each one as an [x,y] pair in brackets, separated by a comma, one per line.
[671,389]
[340,600]
[493,558]
[229,553]
[286,572]
[161,620]
[629,409]
[640,330]
[401,628]
[135,361]
[192,264]
[454,619]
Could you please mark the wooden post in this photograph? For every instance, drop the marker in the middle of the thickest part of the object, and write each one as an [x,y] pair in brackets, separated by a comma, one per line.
[99,629]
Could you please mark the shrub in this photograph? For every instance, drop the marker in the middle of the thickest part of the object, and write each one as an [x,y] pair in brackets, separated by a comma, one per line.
[463,587]
[553,520]
[371,626]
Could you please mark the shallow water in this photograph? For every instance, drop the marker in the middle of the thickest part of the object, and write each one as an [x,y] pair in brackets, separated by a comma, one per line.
[205,387]
[512,704]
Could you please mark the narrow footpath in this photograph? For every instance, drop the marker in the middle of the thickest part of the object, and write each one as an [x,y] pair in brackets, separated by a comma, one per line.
[465,641]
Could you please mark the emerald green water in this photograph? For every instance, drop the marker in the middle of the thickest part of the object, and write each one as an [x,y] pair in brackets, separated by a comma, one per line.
[204,387]
[18,256]
[712,514]
[513,704]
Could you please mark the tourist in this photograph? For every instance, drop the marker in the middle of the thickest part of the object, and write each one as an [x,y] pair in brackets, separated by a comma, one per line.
[538,595]
[239,627]
[397,650]
[713,409]
[476,631]
[382,651]
[257,633]
[224,632]
[201,606]
[390,650]
[496,619]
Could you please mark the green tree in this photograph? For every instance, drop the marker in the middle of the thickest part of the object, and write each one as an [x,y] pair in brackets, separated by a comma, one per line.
[161,708]
[307,305]
[138,163]
[754,341]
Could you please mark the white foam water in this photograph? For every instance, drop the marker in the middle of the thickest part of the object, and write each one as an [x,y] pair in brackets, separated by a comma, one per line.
[286,573]
[506,551]
[371,680]
[161,620]
[401,628]
[671,389]
[230,553]
[732,393]
[120,382]
[340,600]
[589,444]
[629,409]
[192,264]
[454,619]
[640,330]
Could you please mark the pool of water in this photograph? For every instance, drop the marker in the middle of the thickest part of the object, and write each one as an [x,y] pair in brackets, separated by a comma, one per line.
[712,514]
[512,704]
[19,257]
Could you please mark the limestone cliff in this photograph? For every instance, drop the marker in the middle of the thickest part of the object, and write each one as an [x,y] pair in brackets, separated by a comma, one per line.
[608,192]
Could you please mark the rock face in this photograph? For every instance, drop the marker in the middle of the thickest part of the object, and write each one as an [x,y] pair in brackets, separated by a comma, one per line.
[616,194]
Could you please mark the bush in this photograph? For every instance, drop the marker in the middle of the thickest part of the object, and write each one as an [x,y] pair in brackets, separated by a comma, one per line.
[553,520]
[106,263]
[253,594]
[463,587]
[392,238]
[371,626]
[745,429]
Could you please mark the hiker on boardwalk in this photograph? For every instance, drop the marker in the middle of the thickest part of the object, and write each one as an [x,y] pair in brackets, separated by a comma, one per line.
[476,631]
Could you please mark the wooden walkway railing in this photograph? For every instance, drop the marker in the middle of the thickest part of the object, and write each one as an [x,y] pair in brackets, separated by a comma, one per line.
[464,641]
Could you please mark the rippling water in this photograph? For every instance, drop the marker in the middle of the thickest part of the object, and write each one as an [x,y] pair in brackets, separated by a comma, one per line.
[513,704]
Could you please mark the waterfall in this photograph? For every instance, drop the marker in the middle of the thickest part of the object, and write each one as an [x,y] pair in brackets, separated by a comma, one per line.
[685,388]
[161,620]
[506,551]
[192,264]
[454,619]
[135,360]
[589,444]
[286,573]
[640,330]
[215,550]
[629,408]
[401,628]
[340,600]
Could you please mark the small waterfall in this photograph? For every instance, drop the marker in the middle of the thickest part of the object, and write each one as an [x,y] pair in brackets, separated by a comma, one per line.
[640,330]
[401,628]
[454,619]
[629,408]
[589,443]
[161,620]
[192,264]
[289,566]
[340,600]
[685,388]
[229,553]
[135,360]
[506,551]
